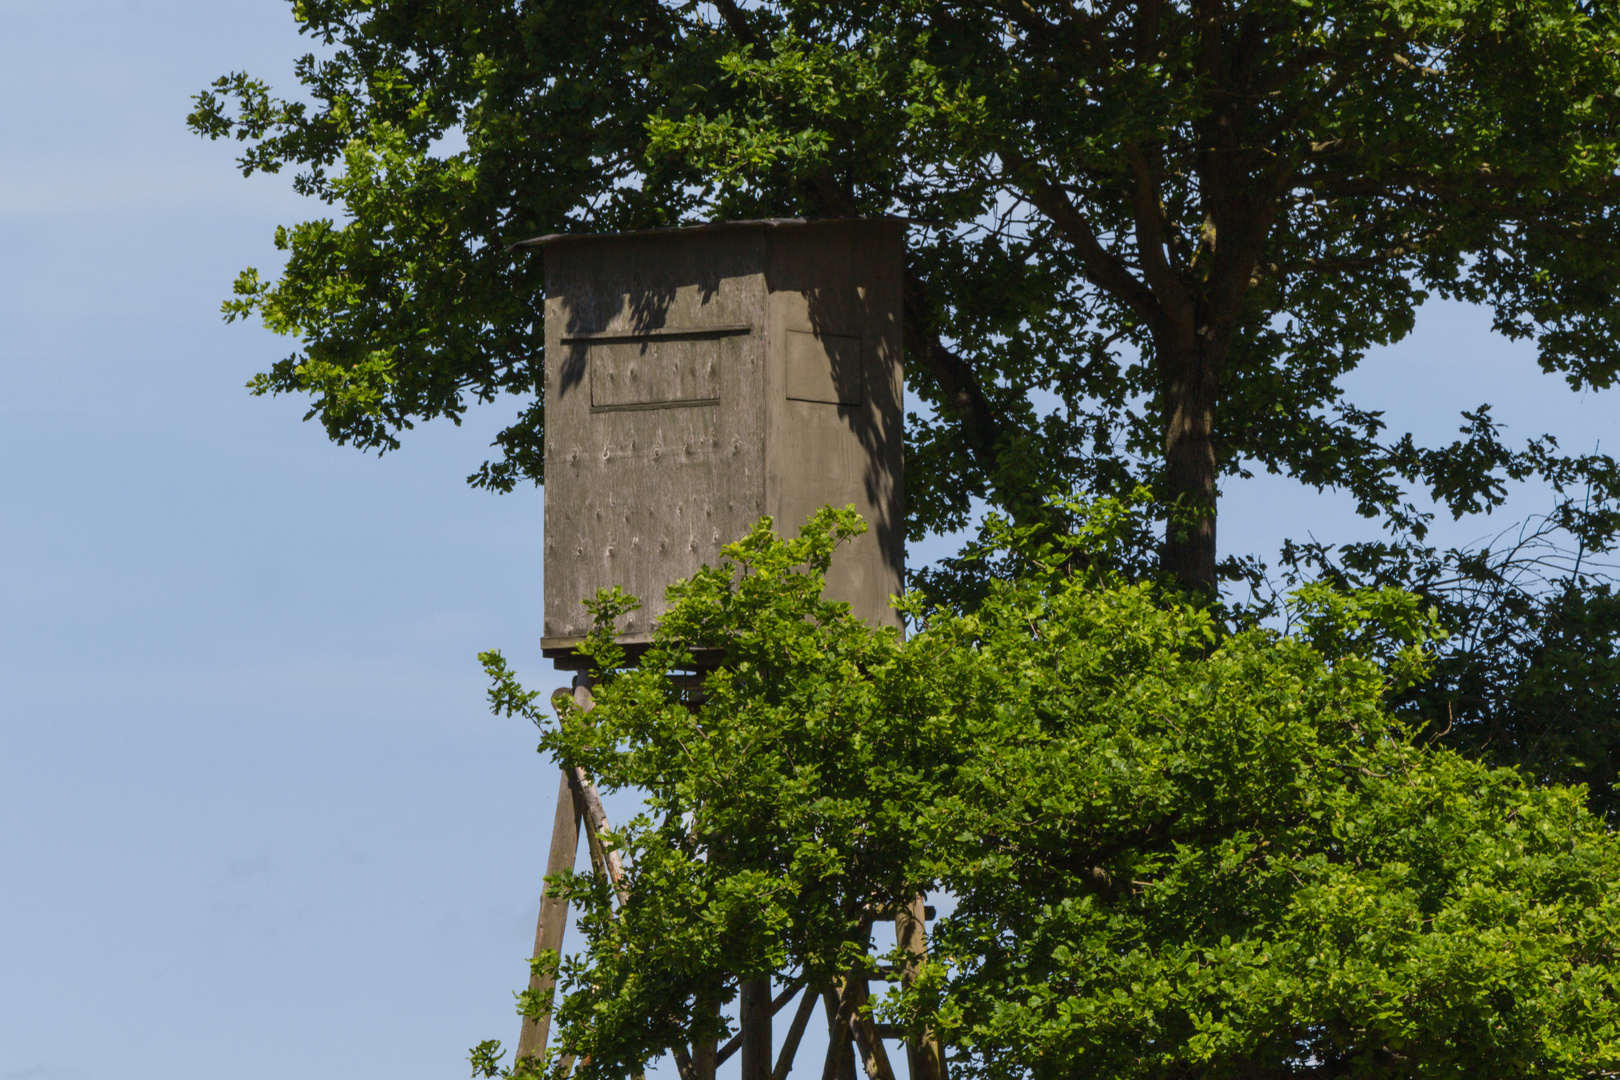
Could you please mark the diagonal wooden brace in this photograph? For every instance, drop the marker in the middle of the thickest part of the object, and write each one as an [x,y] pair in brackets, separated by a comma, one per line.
[548,934]
[577,804]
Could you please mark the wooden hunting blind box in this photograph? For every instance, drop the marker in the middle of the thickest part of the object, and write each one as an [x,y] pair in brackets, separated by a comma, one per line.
[698,379]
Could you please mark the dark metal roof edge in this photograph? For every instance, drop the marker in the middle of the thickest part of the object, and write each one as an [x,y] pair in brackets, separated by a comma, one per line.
[708,226]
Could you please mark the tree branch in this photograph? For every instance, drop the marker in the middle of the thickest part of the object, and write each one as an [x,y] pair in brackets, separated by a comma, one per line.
[1101,267]
[737,20]
[959,386]
[1080,28]
[1148,211]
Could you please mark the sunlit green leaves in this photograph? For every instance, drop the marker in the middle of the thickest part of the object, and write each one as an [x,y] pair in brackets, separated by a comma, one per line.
[1172,851]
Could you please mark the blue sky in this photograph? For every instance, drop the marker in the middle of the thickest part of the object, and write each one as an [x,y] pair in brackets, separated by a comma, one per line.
[255,819]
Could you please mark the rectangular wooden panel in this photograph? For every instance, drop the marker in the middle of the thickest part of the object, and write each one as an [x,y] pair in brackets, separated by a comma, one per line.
[823,367]
[671,368]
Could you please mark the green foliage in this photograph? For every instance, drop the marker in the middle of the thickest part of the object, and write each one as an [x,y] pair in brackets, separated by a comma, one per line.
[1529,675]
[1174,850]
[486,1058]
[1552,711]
[1100,539]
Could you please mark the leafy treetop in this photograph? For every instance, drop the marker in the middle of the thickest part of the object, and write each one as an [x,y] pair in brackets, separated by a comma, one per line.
[1159,232]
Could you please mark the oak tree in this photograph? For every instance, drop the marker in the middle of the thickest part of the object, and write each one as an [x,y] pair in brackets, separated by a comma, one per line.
[1150,236]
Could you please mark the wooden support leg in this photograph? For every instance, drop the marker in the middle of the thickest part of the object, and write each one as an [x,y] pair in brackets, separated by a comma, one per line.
[754,1018]
[548,934]
[925,1057]
[704,1048]
[840,1063]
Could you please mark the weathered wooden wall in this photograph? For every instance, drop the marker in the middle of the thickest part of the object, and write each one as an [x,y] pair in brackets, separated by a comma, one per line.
[699,379]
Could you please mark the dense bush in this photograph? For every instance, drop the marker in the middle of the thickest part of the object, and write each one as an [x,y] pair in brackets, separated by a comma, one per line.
[1174,850]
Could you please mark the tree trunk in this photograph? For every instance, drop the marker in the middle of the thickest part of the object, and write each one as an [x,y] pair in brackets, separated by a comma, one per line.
[1189,381]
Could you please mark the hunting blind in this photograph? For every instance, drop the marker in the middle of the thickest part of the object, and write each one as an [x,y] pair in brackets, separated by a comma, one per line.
[699,379]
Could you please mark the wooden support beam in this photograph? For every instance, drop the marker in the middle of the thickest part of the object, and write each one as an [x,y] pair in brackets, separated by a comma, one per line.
[874,1057]
[754,1022]
[789,992]
[577,804]
[845,1003]
[886,911]
[703,1059]
[705,1023]
[683,1062]
[925,1056]
[735,1042]
[548,933]
[580,805]
[790,1045]
[596,819]
[840,1060]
